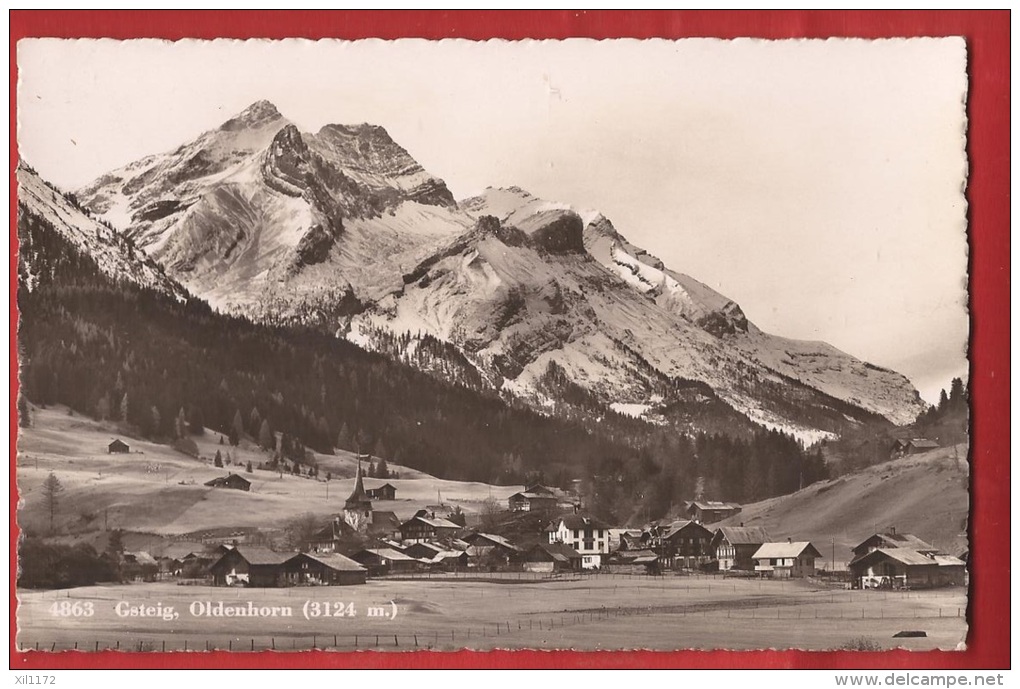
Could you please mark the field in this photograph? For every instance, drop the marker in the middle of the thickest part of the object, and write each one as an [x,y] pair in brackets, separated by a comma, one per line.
[509,611]
[155,489]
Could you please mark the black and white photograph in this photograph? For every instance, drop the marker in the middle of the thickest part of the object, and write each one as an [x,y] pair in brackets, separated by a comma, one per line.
[407,344]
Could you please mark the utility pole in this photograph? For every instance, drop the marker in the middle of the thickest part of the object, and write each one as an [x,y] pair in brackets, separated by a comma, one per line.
[834,555]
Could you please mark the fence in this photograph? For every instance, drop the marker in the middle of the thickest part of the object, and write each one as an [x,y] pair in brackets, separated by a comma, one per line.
[519,633]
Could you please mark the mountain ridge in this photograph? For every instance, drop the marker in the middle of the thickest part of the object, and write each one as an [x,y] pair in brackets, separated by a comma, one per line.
[344,229]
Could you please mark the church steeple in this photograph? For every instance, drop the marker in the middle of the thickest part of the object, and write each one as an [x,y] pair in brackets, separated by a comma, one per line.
[358,508]
[358,497]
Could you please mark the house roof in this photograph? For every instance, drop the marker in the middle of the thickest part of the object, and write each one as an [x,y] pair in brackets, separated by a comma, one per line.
[493,538]
[683,525]
[578,521]
[385,485]
[784,550]
[897,540]
[118,441]
[384,519]
[434,522]
[141,557]
[906,556]
[742,535]
[229,478]
[560,552]
[256,555]
[430,546]
[335,561]
[715,505]
[533,496]
[389,554]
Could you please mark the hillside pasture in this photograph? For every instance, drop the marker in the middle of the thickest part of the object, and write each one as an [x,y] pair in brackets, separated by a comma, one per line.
[159,490]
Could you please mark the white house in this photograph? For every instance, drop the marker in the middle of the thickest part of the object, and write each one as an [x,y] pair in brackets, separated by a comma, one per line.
[785,560]
[587,535]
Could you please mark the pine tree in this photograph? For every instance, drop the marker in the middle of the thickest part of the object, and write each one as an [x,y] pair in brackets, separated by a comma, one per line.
[218,460]
[382,470]
[236,429]
[266,436]
[23,418]
[248,468]
[343,439]
[51,490]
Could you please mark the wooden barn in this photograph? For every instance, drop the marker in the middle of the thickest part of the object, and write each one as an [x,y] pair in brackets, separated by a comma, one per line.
[911,446]
[323,569]
[232,481]
[709,512]
[384,492]
[789,560]
[424,526]
[906,568]
[551,557]
[734,546]
[250,566]
[380,561]
[118,446]
[531,502]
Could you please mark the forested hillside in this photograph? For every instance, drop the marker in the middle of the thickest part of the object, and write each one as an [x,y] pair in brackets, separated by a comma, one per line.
[110,348]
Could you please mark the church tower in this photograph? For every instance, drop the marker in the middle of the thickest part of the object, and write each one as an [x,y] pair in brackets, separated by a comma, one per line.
[358,508]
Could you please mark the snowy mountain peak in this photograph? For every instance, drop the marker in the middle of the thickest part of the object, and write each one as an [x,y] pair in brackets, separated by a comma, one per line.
[344,229]
[257,114]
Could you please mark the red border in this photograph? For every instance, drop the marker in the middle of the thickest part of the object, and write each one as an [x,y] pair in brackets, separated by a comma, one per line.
[987,34]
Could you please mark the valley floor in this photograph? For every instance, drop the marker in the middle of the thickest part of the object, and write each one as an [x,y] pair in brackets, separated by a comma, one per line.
[448,612]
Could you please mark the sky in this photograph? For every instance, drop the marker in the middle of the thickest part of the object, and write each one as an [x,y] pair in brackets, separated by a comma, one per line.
[819,184]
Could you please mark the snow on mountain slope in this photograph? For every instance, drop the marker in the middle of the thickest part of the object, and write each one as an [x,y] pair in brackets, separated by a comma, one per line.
[260,218]
[551,285]
[114,255]
[344,229]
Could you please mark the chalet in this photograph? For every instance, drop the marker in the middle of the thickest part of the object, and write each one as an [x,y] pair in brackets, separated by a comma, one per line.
[490,550]
[891,539]
[233,481]
[333,537]
[551,557]
[633,561]
[709,512]
[384,524]
[531,502]
[786,560]
[117,447]
[539,489]
[629,539]
[324,569]
[449,560]
[249,566]
[685,545]
[735,546]
[903,560]
[911,446]
[384,492]
[906,568]
[380,561]
[424,526]
[139,565]
[587,535]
